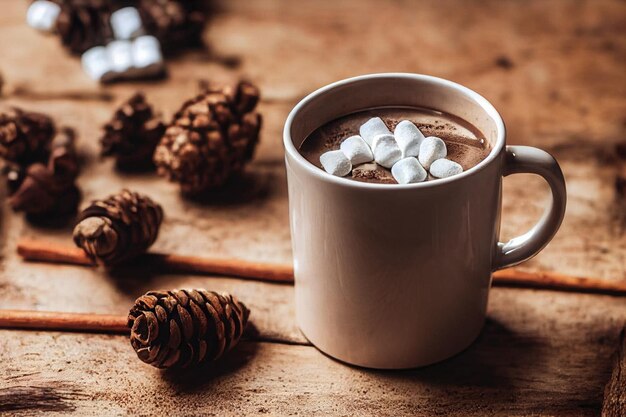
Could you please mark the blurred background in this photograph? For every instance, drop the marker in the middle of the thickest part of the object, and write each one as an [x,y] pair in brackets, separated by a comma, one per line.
[555,70]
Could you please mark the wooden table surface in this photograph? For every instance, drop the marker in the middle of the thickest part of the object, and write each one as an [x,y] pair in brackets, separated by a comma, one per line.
[555,70]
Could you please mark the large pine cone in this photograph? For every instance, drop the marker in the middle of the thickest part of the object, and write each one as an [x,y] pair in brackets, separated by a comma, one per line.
[83,24]
[47,189]
[183,328]
[25,136]
[177,24]
[132,134]
[211,138]
[119,227]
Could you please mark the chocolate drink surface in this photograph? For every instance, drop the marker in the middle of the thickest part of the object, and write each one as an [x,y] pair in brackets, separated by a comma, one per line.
[465,144]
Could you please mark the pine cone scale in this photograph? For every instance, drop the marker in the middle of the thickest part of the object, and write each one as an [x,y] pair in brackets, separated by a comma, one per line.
[218,328]
[171,358]
[175,335]
[147,354]
[160,313]
[200,322]
[185,322]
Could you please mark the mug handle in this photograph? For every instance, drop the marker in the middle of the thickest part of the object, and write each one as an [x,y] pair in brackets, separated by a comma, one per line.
[526,159]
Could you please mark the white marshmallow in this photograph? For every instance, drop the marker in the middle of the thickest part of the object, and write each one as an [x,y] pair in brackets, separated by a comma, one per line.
[377,138]
[126,23]
[42,15]
[356,150]
[372,128]
[431,149]
[336,163]
[409,138]
[408,171]
[97,64]
[386,152]
[443,168]
[147,57]
[121,56]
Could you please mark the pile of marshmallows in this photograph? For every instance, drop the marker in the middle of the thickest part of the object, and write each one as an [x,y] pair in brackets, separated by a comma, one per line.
[407,152]
[132,54]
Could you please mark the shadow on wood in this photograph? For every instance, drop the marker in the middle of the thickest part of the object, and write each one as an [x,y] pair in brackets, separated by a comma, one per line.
[254,184]
[134,278]
[480,365]
[201,379]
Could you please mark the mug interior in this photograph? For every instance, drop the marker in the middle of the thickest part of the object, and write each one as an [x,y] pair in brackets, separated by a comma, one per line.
[392,89]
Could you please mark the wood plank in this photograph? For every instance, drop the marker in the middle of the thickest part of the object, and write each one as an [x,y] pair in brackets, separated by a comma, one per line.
[614,404]
[540,353]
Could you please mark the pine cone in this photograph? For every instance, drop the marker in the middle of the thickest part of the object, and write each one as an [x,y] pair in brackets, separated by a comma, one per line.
[132,134]
[25,136]
[47,189]
[183,328]
[83,24]
[211,138]
[42,193]
[119,227]
[177,24]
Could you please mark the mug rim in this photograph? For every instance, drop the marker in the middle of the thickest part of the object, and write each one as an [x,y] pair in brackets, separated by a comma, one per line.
[324,176]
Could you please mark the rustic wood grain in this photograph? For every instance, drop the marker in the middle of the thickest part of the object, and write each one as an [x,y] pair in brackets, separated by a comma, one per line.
[614,404]
[553,69]
[540,353]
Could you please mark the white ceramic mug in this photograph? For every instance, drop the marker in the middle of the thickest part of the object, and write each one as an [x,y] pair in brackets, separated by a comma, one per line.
[398,276]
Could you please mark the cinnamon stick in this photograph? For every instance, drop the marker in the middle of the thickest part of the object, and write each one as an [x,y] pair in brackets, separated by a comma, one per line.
[40,251]
[46,320]
[515,277]
[227,267]
[98,323]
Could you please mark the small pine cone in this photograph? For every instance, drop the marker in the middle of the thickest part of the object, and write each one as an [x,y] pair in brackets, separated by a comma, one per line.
[183,328]
[132,134]
[42,193]
[25,136]
[177,24]
[211,138]
[47,189]
[83,24]
[119,227]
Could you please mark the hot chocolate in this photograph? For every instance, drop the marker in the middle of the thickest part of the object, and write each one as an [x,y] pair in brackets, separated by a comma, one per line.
[465,144]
